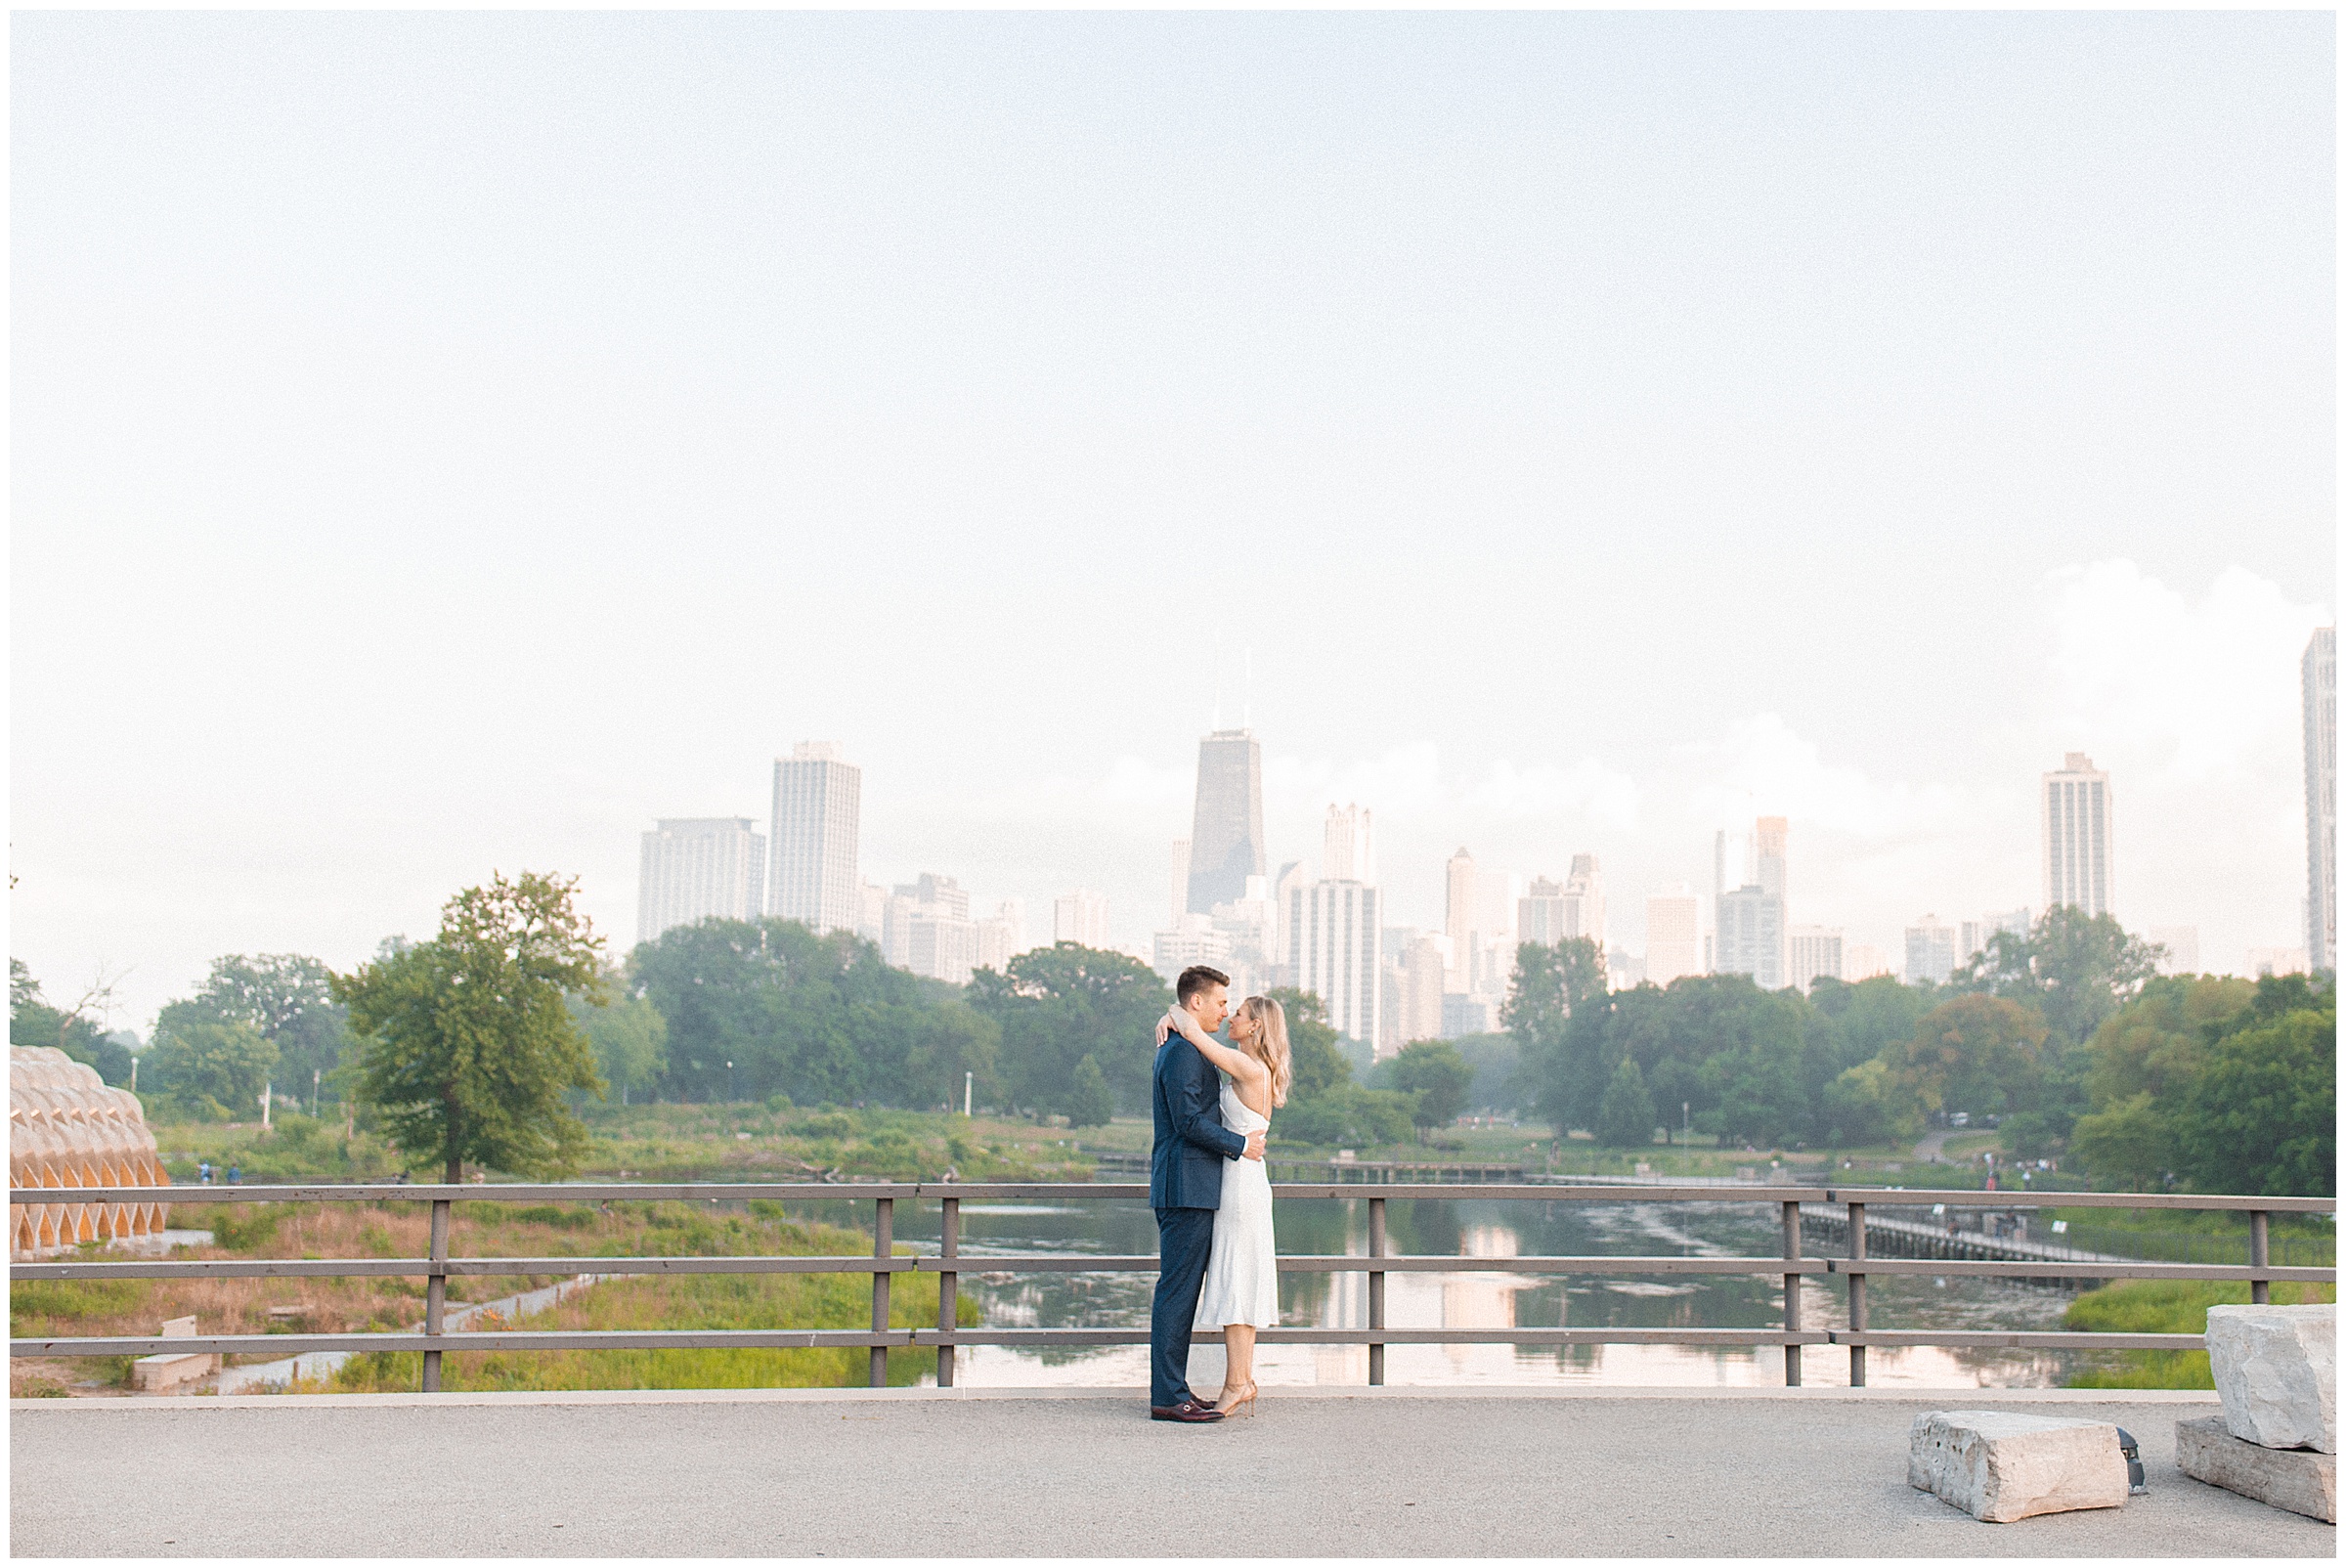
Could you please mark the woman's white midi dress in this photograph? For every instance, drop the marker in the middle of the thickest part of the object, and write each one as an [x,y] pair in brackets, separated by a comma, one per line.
[1242,1277]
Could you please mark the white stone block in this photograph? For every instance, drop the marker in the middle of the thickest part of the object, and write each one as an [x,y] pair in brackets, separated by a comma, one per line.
[2277,1372]
[1999,1466]
[2297,1479]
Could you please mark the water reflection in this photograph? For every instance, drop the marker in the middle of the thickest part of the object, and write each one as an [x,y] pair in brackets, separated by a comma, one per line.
[1494,1299]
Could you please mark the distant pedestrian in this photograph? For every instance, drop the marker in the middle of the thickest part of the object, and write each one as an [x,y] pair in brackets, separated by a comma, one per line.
[203,1172]
[234,1171]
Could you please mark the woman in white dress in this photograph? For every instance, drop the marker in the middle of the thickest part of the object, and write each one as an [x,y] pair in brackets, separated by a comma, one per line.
[1242,1277]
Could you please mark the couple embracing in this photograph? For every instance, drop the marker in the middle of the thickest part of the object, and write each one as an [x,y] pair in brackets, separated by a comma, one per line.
[1217,1266]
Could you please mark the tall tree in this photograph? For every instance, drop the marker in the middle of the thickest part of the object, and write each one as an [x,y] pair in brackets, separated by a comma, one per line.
[1625,1118]
[1056,1005]
[1435,1077]
[2073,967]
[466,1043]
[208,1072]
[627,1034]
[2261,1115]
[288,999]
[1319,1068]
[32,1021]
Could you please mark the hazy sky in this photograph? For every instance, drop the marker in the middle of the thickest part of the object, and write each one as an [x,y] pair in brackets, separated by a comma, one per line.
[448,442]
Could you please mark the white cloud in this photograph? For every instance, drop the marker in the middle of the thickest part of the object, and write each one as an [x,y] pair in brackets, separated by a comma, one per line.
[2206,691]
[1762,767]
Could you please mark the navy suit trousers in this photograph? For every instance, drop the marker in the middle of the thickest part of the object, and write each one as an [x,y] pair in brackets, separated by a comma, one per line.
[1184,1242]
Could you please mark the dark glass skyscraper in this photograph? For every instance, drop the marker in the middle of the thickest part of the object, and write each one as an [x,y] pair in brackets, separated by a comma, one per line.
[1226,842]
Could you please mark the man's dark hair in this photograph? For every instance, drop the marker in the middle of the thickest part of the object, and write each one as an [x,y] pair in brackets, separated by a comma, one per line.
[1195,979]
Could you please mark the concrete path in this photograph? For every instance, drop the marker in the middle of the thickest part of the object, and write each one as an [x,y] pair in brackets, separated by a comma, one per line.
[916,1474]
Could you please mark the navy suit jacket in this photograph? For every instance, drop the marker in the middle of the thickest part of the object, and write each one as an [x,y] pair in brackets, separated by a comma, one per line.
[1185,1166]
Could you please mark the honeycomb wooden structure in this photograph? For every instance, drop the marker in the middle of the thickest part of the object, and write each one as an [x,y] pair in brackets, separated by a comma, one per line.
[66,1129]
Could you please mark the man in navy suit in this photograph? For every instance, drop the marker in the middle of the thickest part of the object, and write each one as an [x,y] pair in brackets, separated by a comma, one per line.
[1185,1188]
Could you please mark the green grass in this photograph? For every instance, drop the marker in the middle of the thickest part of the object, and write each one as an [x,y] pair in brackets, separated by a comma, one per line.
[2161,1307]
[688,1302]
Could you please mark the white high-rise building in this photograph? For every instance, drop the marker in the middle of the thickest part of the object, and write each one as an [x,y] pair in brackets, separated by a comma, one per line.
[1417,996]
[1973,936]
[1001,936]
[1190,939]
[1930,951]
[2078,830]
[1673,935]
[1349,846]
[1081,916]
[1751,930]
[1333,929]
[928,930]
[818,814]
[1460,911]
[1816,954]
[2182,948]
[699,869]
[1550,912]
[1861,961]
[2266,961]
[2321,692]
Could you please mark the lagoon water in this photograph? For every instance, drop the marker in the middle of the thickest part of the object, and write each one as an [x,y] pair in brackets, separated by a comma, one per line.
[1496,1230]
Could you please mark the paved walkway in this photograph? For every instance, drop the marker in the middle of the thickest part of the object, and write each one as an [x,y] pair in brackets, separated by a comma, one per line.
[913,1473]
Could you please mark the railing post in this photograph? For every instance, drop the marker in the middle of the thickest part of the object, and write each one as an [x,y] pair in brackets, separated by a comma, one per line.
[884,1245]
[948,1291]
[1792,1294]
[435,1293]
[1376,1291]
[2260,1254]
[1856,1294]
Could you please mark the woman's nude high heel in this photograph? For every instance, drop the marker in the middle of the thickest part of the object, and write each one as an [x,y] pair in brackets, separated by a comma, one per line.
[1243,1405]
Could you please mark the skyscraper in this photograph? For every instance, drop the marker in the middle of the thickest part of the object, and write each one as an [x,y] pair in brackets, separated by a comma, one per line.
[818,814]
[1752,926]
[1081,916]
[1930,951]
[1349,846]
[2077,818]
[1461,890]
[1751,937]
[2320,682]
[699,869]
[1673,935]
[1226,836]
[1334,929]
[1550,912]
[1816,955]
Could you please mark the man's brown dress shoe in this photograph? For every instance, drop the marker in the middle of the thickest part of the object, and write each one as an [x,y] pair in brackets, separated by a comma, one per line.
[1188,1410]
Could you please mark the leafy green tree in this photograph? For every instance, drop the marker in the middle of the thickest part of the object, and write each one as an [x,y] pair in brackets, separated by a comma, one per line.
[288,999]
[1346,1115]
[2261,1116]
[1089,1102]
[32,1021]
[1056,1005]
[2129,1143]
[629,1036]
[2074,968]
[1625,1119]
[1498,1063]
[1867,1104]
[1435,1077]
[816,1018]
[1980,1053]
[1319,1068]
[208,1072]
[466,1044]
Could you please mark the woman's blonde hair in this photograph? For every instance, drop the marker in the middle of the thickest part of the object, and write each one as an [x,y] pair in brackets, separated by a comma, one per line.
[1271,1044]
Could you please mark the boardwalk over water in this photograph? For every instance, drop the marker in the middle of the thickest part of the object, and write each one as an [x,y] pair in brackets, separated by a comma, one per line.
[914,1473]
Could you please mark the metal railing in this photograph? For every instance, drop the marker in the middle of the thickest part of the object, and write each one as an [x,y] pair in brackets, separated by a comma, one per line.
[1792,1264]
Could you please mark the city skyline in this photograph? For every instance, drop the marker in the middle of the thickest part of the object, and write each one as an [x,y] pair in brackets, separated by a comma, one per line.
[1925,396]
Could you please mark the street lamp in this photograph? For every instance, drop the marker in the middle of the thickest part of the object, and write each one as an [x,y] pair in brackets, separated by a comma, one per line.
[729,1094]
